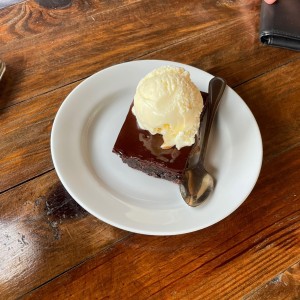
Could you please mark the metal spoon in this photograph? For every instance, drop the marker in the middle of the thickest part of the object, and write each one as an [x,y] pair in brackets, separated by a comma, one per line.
[198,183]
[2,68]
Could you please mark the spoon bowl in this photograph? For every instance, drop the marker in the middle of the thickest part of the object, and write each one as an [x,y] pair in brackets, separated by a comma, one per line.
[198,186]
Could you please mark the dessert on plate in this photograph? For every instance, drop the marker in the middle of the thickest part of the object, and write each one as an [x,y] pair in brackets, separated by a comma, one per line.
[159,131]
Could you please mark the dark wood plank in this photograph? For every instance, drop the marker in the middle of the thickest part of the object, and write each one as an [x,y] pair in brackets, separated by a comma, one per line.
[44,232]
[284,286]
[272,99]
[96,34]
[25,138]
[226,260]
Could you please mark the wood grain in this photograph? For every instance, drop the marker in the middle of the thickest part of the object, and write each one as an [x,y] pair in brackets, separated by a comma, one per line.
[25,138]
[115,33]
[224,261]
[227,55]
[284,286]
[271,99]
[43,233]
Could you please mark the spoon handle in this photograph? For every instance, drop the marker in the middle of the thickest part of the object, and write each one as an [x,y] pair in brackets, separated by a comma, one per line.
[215,90]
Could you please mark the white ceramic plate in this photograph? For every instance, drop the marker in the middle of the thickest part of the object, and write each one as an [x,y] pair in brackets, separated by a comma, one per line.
[86,127]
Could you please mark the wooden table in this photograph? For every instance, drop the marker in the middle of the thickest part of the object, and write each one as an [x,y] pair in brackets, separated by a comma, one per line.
[50,247]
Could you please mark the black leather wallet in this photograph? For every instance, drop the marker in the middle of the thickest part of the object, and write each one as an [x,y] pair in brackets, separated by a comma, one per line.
[280,24]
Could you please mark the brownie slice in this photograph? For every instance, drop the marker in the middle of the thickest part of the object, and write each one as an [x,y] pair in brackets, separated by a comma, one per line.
[141,150]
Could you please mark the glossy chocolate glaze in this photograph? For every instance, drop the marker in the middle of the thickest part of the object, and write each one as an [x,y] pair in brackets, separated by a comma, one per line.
[136,144]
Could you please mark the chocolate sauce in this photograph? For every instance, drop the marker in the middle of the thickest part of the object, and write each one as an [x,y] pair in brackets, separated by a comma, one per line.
[154,146]
[134,142]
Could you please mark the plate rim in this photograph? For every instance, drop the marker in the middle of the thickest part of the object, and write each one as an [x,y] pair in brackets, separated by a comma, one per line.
[122,226]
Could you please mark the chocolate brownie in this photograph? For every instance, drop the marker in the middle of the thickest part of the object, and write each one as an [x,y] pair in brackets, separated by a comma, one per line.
[141,150]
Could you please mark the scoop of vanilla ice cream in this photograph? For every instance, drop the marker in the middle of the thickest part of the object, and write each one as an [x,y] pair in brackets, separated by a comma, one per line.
[168,102]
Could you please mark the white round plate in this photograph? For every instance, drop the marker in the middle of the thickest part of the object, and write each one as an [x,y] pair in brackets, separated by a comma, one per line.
[83,135]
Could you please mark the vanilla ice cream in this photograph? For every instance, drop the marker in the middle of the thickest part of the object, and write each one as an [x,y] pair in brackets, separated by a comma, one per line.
[168,102]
